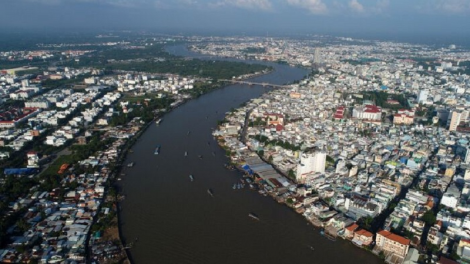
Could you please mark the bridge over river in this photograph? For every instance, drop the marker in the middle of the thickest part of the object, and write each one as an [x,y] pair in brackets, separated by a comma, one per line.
[264,84]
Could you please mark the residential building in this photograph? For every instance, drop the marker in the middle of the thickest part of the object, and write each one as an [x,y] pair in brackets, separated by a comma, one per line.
[455,118]
[394,246]
[423,96]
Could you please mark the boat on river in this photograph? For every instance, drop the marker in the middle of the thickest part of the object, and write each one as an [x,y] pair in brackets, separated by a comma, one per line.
[130,164]
[158,121]
[210,192]
[157,150]
[254,216]
[191,177]
[185,153]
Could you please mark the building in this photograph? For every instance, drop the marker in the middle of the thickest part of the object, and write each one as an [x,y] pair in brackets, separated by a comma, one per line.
[319,162]
[310,163]
[423,96]
[274,119]
[455,118]
[33,159]
[395,247]
[403,117]
[450,200]
[367,112]
[349,231]
[339,114]
[81,140]
[359,206]
[467,158]
[362,238]
[37,104]
[317,56]
[463,250]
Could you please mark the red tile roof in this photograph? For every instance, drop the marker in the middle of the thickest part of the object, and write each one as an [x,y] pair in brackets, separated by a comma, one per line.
[372,109]
[394,237]
[352,227]
[364,232]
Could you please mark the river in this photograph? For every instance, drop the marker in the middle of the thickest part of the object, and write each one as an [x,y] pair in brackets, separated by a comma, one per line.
[177,221]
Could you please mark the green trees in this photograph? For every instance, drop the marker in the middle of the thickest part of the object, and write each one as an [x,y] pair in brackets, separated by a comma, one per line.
[380,98]
[283,144]
[291,174]
[429,218]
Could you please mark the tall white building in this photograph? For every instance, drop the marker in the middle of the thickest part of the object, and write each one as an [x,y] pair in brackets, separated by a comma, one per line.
[423,96]
[319,162]
[455,118]
[310,163]
[467,156]
[317,56]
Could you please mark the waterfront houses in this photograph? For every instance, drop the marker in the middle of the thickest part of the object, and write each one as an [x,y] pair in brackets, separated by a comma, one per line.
[383,139]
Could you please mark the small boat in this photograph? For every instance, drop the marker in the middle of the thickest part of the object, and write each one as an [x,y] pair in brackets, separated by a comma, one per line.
[157,150]
[185,153]
[311,248]
[191,177]
[130,164]
[158,121]
[200,156]
[254,216]
[234,186]
[210,192]
[189,132]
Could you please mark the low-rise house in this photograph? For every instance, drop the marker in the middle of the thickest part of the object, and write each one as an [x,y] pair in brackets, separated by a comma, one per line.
[362,238]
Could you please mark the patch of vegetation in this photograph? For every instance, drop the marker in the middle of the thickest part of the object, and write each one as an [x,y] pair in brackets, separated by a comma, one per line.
[283,144]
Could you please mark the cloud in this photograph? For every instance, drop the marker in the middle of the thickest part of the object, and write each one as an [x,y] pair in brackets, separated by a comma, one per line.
[443,7]
[314,6]
[46,2]
[121,3]
[159,4]
[245,4]
[356,6]
[454,6]
[380,6]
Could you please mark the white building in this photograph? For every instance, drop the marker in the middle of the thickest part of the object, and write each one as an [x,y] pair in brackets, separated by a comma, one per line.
[449,200]
[368,112]
[310,163]
[423,96]
[33,159]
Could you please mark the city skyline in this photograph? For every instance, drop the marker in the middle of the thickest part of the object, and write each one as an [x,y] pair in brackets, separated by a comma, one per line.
[354,17]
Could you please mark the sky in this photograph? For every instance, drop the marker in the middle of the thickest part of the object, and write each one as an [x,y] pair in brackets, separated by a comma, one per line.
[354,17]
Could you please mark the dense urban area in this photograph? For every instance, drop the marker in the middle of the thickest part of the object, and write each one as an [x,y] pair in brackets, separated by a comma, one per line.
[371,146]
